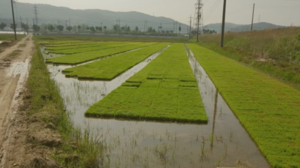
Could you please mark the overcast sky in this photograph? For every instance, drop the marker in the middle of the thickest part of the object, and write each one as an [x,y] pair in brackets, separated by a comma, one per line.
[281,12]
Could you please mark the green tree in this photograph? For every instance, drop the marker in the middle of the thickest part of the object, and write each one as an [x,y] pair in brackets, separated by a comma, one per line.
[51,27]
[36,28]
[60,27]
[116,27]
[92,29]
[25,26]
[105,27]
[136,28]
[69,28]
[12,26]
[151,30]
[179,29]
[2,26]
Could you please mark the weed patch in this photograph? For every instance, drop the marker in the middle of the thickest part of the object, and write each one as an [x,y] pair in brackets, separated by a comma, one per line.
[45,106]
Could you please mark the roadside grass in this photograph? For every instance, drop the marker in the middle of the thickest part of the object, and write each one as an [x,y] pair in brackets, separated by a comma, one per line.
[268,109]
[22,45]
[10,37]
[275,52]
[77,149]
[5,37]
[165,90]
[78,58]
[81,48]
[112,67]
[15,53]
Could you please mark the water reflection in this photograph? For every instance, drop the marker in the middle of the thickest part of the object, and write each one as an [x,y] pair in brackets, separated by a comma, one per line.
[222,142]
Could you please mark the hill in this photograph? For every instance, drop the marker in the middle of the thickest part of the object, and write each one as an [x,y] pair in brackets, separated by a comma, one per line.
[48,14]
[237,28]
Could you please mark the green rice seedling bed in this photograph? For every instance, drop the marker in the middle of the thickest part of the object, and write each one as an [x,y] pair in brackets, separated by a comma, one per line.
[80,49]
[73,46]
[158,92]
[78,58]
[61,43]
[268,109]
[112,67]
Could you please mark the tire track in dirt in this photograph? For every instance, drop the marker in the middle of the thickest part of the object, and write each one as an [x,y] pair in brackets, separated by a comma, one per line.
[13,74]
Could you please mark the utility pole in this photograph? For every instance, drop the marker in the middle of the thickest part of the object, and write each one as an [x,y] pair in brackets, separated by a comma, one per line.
[69,22]
[174,27]
[252,17]
[13,15]
[190,32]
[36,14]
[223,24]
[21,22]
[198,16]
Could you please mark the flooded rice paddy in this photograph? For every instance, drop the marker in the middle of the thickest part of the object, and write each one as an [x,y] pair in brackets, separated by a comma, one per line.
[222,142]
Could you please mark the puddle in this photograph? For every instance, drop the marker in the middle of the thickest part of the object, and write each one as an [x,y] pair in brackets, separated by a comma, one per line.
[222,142]
[20,69]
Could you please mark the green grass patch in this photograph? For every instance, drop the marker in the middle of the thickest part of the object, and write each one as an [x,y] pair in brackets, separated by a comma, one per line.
[78,58]
[156,92]
[87,48]
[73,46]
[268,109]
[275,52]
[112,67]
[44,104]
[5,37]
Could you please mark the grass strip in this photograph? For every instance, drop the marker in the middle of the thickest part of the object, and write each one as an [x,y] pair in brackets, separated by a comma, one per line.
[78,58]
[110,68]
[73,46]
[9,37]
[44,105]
[80,49]
[158,92]
[268,109]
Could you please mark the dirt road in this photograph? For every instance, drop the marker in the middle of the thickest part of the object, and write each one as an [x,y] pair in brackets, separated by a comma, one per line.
[14,67]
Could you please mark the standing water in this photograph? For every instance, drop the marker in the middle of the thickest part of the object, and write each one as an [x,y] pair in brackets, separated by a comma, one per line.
[222,142]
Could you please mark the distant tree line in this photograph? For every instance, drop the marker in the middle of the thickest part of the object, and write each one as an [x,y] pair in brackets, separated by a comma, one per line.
[83,28]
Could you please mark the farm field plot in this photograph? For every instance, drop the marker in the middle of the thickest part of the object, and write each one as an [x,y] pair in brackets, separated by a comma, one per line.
[165,90]
[85,48]
[110,68]
[268,109]
[78,58]
[60,43]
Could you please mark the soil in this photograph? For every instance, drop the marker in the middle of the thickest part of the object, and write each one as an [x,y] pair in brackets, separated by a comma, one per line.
[25,141]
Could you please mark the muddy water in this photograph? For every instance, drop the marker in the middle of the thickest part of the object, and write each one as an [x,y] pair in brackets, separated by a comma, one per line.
[220,143]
